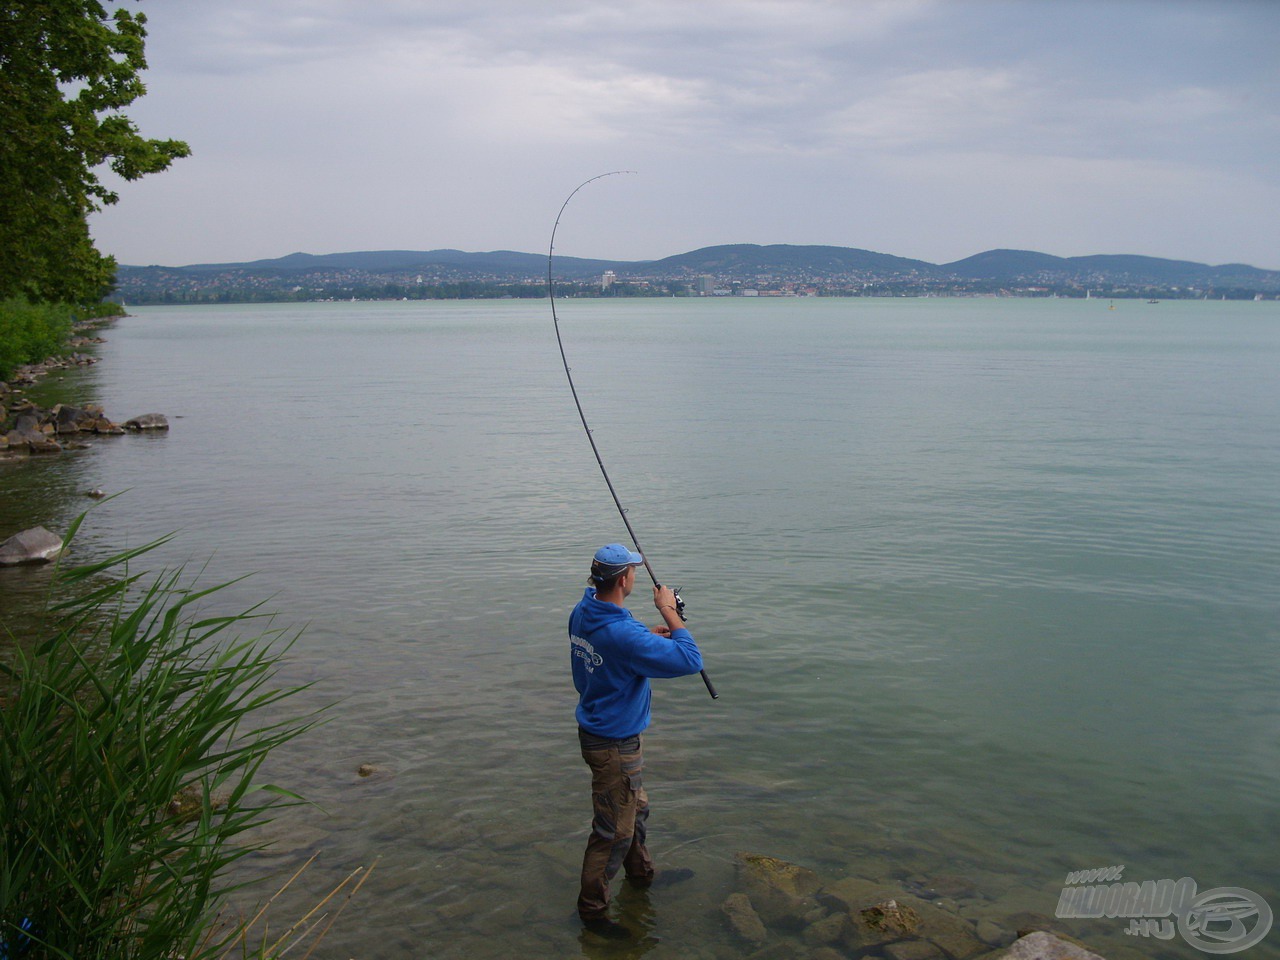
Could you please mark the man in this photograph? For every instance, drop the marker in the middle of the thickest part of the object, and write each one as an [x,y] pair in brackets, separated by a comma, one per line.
[613,657]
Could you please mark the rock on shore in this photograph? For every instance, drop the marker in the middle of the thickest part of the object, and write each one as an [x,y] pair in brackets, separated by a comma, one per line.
[28,429]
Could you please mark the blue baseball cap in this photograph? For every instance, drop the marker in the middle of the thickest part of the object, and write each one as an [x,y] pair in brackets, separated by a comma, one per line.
[616,555]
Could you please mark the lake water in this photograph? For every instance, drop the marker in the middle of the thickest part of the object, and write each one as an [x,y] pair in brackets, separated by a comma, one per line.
[988,588]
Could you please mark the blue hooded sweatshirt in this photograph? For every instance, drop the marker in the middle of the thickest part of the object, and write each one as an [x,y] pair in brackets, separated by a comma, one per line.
[613,657]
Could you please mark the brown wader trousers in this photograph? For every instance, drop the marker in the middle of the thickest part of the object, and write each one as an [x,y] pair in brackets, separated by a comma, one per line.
[620,809]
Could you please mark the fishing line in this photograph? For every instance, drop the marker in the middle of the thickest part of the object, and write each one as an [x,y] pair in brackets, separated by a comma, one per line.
[622,511]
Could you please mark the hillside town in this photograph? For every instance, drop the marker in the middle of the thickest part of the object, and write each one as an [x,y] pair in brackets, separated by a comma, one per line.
[745,271]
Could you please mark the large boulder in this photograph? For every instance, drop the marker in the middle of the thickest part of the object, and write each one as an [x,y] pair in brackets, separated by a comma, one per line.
[69,419]
[31,441]
[36,545]
[148,421]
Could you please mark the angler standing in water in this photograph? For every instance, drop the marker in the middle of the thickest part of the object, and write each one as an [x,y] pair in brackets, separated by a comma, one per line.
[613,657]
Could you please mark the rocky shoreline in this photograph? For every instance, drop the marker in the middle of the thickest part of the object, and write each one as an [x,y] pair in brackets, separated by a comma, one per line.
[28,429]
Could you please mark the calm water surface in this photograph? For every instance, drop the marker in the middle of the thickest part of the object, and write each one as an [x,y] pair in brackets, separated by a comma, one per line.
[988,588]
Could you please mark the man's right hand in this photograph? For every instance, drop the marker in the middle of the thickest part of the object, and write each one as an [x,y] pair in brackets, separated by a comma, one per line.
[664,598]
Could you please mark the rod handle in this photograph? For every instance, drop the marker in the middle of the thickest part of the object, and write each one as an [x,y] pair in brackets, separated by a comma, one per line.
[711,689]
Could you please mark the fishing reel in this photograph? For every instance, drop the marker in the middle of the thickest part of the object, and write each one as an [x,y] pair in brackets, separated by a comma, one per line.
[679,603]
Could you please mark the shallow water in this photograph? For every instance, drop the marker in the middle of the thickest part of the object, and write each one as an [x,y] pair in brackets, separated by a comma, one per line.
[987,588]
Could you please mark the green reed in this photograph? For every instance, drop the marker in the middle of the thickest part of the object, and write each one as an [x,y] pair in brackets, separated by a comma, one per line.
[135,698]
[31,332]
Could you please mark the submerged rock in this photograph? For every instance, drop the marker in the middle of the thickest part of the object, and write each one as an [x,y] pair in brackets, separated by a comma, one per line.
[957,937]
[945,886]
[889,920]
[774,874]
[188,805]
[36,545]
[781,892]
[992,934]
[830,930]
[913,950]
[743,919]
[791,908]
[884,913]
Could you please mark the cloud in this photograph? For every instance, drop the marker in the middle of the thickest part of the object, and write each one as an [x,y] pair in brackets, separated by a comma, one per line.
[1094,204]
[934,108]
[393,122]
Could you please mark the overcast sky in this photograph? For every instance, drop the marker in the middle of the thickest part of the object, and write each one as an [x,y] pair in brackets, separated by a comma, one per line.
[933,129]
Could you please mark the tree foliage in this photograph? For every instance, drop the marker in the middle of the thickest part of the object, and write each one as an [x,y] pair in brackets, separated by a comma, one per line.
[67,68]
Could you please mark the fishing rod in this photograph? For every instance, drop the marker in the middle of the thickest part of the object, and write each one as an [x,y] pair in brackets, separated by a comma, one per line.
[622,512]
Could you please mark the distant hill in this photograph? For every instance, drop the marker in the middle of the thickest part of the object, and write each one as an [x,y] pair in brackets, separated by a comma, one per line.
[1025,264]
[774,267]
[496,262]
[745,259]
